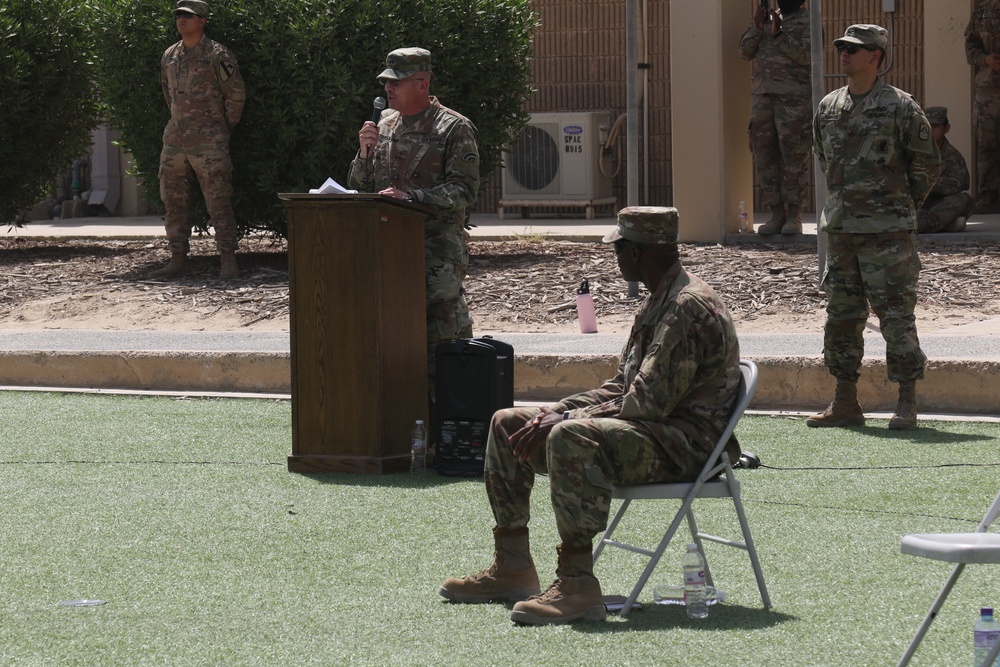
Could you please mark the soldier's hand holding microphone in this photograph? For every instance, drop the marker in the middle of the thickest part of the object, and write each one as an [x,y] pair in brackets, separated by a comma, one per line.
[369,131]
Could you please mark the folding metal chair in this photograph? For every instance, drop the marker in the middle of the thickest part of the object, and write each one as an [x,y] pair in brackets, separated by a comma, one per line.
[959,548]
[709,484]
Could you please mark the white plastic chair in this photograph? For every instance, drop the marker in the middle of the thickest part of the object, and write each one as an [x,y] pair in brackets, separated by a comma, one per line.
[709,484]
[962,549]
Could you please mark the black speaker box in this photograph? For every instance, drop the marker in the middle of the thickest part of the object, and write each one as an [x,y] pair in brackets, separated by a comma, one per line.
[474,378]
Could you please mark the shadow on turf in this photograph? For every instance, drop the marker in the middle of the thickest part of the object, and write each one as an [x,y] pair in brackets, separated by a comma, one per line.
[400,480]
[929,435]
[662,617]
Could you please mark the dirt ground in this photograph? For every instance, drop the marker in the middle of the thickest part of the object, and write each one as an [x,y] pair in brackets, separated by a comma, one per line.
[513,286]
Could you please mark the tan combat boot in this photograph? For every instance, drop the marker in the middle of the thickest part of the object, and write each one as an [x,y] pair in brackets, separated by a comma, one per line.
[843,411]
[776,223]
[574,596]
[512,576]
[178,265]
[905,416]
[229,269]
[793,223]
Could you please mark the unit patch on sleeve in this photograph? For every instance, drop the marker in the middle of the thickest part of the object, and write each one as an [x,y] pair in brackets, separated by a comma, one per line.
[226,70]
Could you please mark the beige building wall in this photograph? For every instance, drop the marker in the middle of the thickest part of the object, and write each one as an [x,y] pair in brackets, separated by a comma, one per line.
[133,200]
[948,77]
[711,110]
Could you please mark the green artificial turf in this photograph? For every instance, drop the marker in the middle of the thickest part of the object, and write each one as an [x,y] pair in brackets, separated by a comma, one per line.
[181,514]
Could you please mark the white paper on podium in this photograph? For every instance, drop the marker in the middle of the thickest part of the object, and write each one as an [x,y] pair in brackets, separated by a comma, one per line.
[332,187]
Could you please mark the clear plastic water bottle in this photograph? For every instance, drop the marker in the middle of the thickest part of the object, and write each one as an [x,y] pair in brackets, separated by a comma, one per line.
[986,632]
[668,594]
[418,447]
[694,583]
[744,216]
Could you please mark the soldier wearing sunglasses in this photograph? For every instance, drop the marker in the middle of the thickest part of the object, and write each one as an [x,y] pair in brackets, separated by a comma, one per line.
[878,154]
[877,151]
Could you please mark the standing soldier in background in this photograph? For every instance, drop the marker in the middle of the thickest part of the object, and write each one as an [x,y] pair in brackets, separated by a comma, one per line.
[781,111]
[204,90]
[948,205]
[422,151]
[877,152]
[982,50]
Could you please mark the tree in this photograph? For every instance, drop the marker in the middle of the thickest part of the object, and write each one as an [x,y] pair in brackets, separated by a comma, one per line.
[48,98]
[310,68]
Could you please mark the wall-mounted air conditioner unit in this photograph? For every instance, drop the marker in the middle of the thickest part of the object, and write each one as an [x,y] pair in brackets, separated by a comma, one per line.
[556,159]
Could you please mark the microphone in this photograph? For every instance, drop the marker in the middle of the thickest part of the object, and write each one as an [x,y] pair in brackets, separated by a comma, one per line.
[377,106]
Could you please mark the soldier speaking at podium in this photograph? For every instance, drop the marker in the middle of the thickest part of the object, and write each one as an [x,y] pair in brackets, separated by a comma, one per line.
[424,152]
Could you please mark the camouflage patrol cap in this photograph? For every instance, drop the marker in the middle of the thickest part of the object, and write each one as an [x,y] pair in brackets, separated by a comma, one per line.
[404,63]
[937,115]
[865,34]
[646,225]
[196,7]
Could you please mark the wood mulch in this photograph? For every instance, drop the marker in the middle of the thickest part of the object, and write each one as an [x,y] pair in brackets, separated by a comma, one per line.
[534,281]
[524,281]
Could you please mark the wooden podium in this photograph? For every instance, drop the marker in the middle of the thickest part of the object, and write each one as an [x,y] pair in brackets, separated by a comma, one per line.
[358,328]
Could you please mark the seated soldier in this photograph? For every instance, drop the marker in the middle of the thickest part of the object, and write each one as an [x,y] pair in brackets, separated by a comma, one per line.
[948,205]
[657,420]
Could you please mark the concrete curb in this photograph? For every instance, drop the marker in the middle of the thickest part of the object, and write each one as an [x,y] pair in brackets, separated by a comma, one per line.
[167,371]
[786,383]
[949,385]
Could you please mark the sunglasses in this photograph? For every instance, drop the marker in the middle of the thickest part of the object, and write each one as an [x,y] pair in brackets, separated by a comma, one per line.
[851,48]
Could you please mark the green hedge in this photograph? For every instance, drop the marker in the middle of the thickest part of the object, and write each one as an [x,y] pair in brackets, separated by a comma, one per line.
[48,100]
[310,68]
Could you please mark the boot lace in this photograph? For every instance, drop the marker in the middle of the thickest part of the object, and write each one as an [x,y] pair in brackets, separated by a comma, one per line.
[487,572]
[551,594]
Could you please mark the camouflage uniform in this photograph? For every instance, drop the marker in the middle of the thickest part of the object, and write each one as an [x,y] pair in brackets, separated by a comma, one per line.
[780,108]
[982,38]
[657,420]
[435,158]
[948,200]
[205,93]
[880,162]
